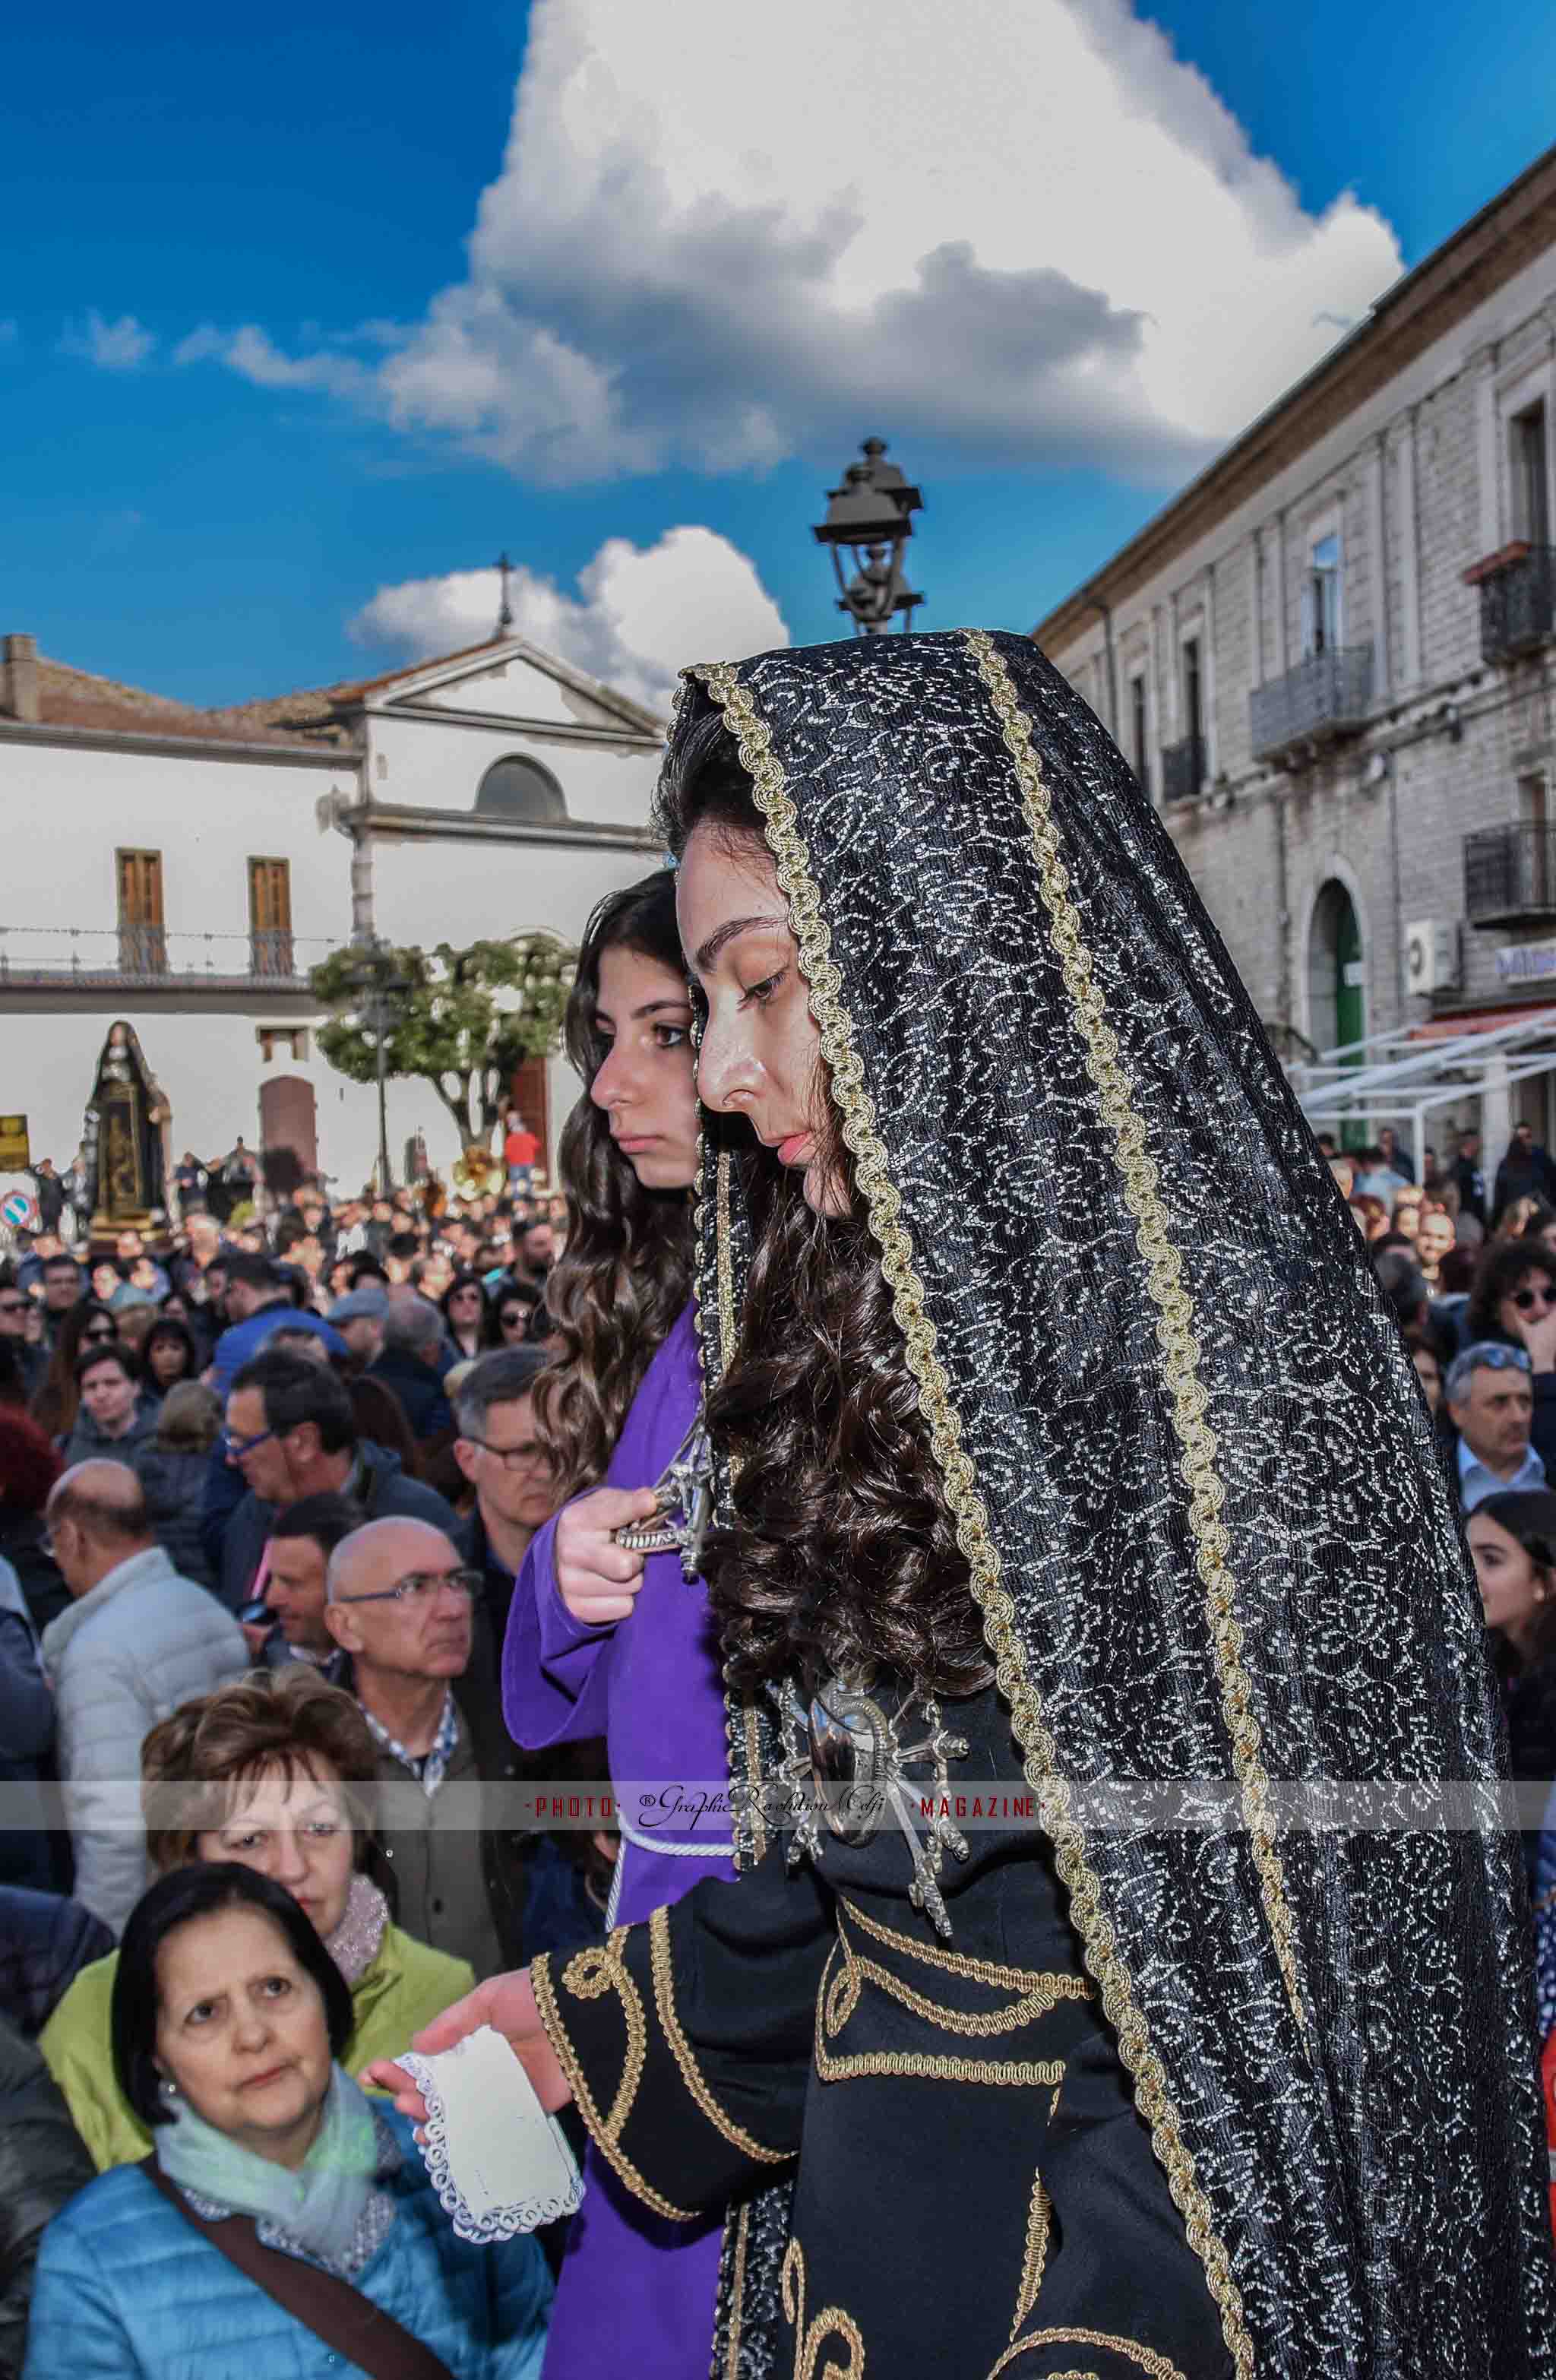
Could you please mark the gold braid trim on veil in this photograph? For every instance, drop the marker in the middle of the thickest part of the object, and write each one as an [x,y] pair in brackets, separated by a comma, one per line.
[754,740]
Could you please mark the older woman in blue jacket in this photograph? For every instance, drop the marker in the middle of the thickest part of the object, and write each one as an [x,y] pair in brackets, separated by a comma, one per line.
[227,2016]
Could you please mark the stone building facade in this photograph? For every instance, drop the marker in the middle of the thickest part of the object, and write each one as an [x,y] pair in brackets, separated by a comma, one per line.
[1332,661]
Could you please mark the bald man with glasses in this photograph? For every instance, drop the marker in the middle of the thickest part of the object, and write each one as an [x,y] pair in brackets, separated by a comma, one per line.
[401,1605]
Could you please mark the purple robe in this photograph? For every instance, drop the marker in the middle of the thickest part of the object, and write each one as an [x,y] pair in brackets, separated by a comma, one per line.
[636,2293]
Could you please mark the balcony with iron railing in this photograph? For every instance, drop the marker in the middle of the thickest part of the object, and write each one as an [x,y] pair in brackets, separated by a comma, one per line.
[1183,767]
[1327,695]
[149,961]
[1517,600]
[1510,875]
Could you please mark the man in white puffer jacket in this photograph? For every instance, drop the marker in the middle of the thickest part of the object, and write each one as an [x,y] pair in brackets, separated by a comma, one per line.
[137,1642]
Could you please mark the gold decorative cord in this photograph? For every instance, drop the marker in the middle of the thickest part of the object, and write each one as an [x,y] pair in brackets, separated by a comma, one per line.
[831,2323]
[586,1976]
[836,2000]
[1146,2358]
[1038,2220]
[955,1962]
[1040,1994]
[754,740]
[664,2002]
[1179,1349]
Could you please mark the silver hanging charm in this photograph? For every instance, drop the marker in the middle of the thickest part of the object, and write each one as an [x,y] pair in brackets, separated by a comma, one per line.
[845,1762]
[683,1493]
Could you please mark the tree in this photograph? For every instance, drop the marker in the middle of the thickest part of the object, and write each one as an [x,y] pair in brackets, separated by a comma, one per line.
[469,1021]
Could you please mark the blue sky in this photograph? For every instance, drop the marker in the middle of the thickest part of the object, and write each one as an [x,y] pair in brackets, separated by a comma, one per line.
[211,529]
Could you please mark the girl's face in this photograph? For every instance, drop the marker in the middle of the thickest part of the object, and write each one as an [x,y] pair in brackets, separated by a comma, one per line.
[761,1050]
[1513,1586]
[645,1083]
[465,1305]
[168,1360]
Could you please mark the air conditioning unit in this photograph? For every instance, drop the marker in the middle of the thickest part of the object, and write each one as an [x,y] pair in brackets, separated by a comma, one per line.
[1432,956]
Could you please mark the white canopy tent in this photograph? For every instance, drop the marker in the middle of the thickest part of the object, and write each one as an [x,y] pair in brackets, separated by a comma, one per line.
[1405,1076]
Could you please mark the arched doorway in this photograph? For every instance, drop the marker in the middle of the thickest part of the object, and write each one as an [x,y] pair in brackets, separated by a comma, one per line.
[1336,970]
[288,1131]
[1337,983]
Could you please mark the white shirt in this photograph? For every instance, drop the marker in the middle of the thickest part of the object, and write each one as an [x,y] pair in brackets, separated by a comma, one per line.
[1475,1482]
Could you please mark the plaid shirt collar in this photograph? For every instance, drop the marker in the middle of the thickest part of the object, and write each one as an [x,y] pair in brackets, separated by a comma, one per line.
[428,1769]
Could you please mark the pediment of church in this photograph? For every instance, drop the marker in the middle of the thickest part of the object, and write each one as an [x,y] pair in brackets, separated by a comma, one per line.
[513,680]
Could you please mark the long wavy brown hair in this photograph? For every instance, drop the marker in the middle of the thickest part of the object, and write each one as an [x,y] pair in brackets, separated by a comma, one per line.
[627,1268]
[842,1557]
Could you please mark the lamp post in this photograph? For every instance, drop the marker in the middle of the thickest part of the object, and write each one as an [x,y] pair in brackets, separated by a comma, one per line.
[870,517]
[376,984]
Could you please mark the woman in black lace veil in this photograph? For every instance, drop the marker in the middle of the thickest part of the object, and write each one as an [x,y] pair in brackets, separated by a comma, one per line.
[1067,1448]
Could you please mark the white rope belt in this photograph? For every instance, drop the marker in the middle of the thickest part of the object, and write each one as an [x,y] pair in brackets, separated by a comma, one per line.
[662,1849]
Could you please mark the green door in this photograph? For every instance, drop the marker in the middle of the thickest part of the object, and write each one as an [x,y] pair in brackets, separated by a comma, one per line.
[1350,996]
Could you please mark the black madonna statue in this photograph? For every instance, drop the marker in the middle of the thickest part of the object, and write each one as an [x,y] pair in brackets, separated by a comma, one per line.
[126,1143]
[1069,1475]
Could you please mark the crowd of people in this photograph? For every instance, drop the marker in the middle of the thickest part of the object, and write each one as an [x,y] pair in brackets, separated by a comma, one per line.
[327,1522]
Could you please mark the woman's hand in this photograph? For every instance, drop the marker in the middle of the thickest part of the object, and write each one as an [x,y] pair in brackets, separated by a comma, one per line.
[507,2005]
[596,1579]
[1540,1338]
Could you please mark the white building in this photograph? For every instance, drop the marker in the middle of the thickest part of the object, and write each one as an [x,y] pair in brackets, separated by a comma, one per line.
[1331,660]
[184,869]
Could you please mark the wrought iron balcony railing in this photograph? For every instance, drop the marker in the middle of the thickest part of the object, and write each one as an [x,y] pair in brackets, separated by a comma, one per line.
[145,956]
[1183,768]
[1510,875]
[1326,694]
[1517,602]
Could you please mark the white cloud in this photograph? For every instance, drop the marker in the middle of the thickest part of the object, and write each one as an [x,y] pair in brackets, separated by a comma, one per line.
[113,346]
[640,614]
[1030,231]
[253,356]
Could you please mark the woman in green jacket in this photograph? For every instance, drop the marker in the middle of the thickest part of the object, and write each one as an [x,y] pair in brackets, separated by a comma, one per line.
[261,1772]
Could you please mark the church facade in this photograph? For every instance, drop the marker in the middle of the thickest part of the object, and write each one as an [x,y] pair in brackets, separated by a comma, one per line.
[182,870]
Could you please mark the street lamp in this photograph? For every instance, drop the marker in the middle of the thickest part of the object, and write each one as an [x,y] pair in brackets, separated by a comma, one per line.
[869,515]
[376,985]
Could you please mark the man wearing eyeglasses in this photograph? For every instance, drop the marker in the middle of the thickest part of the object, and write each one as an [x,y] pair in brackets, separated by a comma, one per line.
[500,1453]
[401,1605]
[1490,1399]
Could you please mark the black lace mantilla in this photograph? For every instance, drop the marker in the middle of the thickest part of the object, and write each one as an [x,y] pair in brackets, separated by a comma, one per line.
[1194,1477]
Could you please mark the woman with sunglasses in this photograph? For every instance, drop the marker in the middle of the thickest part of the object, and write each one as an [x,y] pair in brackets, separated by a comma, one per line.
[512,1312]
[463,1304]
[1513,1304]
[88,1323]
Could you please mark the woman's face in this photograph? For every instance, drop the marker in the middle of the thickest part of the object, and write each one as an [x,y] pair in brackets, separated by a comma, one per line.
[169,1360]
[241,2031]
[295,1830]
[1531,1301]
[465,1306]
[761,1055]
[513,1321]
[644,1084]
[1513,1586]
[1430,1373]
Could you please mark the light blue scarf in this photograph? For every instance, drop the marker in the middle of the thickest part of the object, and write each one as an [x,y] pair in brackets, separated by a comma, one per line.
[320,2206]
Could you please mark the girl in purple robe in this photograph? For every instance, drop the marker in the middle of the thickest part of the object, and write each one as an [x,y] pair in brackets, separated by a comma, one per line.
[606,1642]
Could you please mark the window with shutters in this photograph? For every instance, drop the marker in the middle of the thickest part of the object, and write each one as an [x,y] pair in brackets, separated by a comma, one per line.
[270,917]
[143,930]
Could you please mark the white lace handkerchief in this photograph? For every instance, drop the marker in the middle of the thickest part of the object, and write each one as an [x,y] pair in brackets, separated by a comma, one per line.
[499,2163]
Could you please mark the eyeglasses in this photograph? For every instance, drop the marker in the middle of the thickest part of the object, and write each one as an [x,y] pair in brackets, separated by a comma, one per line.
[235,1449]
[517,1319]
[529,1455]
[99,1330]
[1524,1299]
[1490,1355]
[13,1304]
[420,1586]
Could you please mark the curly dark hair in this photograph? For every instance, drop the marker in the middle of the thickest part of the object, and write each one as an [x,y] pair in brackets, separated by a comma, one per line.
[842,1556]
[626,1271]
[1504,1268]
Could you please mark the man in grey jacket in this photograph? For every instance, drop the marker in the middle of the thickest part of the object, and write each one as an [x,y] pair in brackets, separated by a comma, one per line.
[136,1642]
